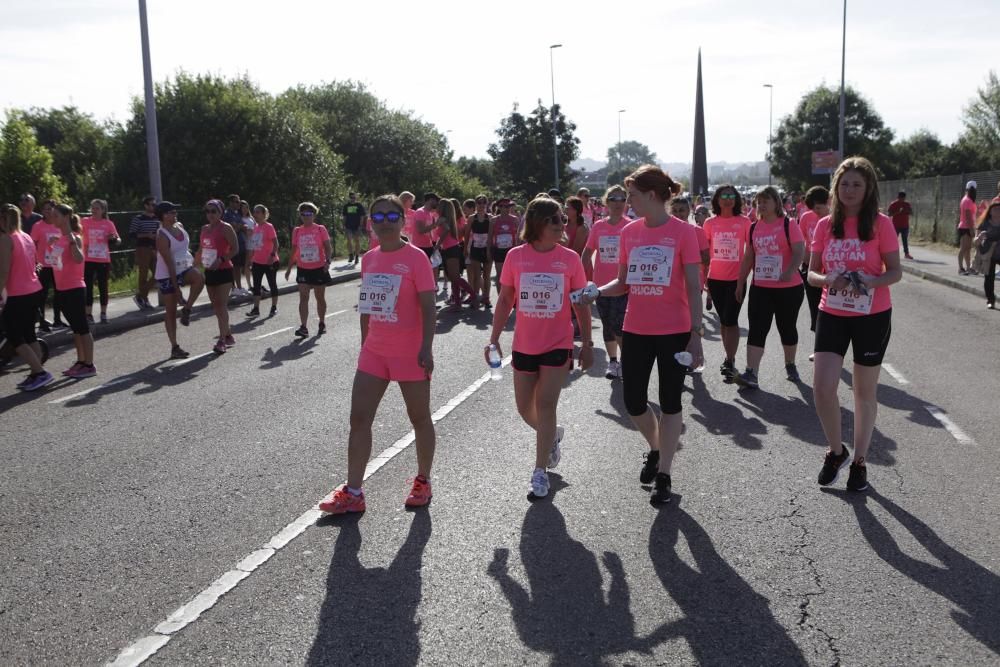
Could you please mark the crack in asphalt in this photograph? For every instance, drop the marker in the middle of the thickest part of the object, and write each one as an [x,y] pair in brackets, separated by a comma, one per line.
[805,618]
[899,478]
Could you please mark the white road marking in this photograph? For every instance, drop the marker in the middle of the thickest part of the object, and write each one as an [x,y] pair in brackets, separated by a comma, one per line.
[896,375]
[181,362]
[144,648]
[949,425]
[109,383]
[336,313]
[272,333]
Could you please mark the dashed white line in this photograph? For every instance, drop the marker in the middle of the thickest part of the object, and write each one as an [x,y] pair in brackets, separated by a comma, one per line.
[109,383]
[896,375]
[273,333]
[144,648]
[336,313]
[949,425]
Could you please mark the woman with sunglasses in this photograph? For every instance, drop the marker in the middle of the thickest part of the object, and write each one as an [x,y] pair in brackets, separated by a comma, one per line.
[478,249]
[537,279]
[175,269]
[773,254]
[99,233]
[312,253]
[67,272]
[658,266]
[727,233]
[263,246]
[397,309]
[217,245]
[603,243]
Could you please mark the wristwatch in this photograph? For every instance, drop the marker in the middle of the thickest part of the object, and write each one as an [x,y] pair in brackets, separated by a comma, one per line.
[699,330]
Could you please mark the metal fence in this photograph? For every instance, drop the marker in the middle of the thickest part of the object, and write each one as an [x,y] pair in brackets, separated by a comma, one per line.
[935,201]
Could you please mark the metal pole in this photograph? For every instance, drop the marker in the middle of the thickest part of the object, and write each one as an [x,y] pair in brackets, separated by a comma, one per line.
[843,103]
[620,112]
[770,130]
[555,137]
[152,136]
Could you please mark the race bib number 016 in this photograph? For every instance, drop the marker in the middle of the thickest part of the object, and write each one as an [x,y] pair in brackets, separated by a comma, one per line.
[379,292]
[725,249]
[767,268]
[541,292]
[308,253]
[504,241]
[650,265]
[850,300]
[607,247]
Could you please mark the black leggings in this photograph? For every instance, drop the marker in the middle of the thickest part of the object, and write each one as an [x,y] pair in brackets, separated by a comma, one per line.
[98,271]
[780,304]
[48,283]
[259,271]
[813,296]
[638,354]
[988,285]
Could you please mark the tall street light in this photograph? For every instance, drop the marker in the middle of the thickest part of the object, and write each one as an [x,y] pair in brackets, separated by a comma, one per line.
[555,141]
[770,132]
[843,103]
[152,136]
[620,112]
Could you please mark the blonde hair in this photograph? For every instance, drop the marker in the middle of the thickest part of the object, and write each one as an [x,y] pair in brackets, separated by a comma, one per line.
[540,211]
[11,221]
[446,210]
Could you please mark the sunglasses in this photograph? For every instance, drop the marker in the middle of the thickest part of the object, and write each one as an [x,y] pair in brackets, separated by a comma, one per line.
[306,214]
[391,217]
[618,199]
[728,195]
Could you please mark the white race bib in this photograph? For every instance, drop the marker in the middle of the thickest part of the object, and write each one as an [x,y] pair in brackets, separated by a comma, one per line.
[208,256]
[53,257]
[767,268]
[309,253]
[256,242]
[725,249]
[480,240]
[650,265]
[504,241]
[607,249]
[97,251]
[183,261]
[850,300]
[379,292]
[541,292]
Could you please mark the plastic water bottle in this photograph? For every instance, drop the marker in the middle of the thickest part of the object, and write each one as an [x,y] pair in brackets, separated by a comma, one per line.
[495,363]
[590,291]
[684,358]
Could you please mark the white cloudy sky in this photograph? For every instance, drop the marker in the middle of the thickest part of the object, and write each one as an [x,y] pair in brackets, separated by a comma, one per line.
[462,64]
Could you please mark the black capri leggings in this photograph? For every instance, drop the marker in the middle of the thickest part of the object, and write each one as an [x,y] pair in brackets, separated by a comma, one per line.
[638,354]
[96,271]
[780,304]
[259,271]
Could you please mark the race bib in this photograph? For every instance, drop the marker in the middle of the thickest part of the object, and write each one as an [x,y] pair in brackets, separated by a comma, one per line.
[504,241]
[607,249]
[850,300]
[309,253]
[767,268]
[650,265]
[379,292]
[725,249]
[183,261]
[541,292]
[96,250]
[208,256]
[480,240]
[53,257]
[256,242]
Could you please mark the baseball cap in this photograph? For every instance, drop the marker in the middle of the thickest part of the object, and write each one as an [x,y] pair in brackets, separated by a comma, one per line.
[165,207]
[970,184]
[505,202]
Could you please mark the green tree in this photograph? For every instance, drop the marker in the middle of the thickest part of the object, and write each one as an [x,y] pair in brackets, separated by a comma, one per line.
[482,170]
[26,165]
[981,140]
[621,163]
[523,156]
[814,127]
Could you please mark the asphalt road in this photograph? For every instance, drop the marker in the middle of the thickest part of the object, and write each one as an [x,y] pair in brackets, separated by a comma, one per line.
[124,503]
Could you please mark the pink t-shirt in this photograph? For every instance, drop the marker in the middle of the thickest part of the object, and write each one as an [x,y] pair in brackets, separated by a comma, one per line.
[44,235]
[408,224]
[505,232]
[444,238]
[21,278]
[773,254]
[308,246]
[68,273]
[702,247]
[262,244]
[213,245]
[800,208]
[807,225]
[422,217]
[654,259]
[727,237]
[852,254]
[95,239]
[966,205]
[542,282]
[604,240]
[390,284]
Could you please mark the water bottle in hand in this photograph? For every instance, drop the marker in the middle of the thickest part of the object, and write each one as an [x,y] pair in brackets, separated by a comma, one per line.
[684,358]
[495,363]
[590,291]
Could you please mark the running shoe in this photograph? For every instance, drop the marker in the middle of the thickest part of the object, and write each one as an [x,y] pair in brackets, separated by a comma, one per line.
[650,464]
[555,455]
[302,332]
[487,304]
[44,326]
[990,306]
[230,341]
[708,303]
[59,324]
[220,346]
[350,258]
[36,381]
[832,464]
[138,302]
[81,371]
[963,272]
[321,329]
[747,380]
[539,484]
[342,501]
[792,373]
[614,371]
[420,494]
[908,256]
[90,319]
[253,312]
[728,370]
[857,480]
[812,356]
[177,352]
[661,490]
[104,318]
[26,381]
[273,312]
[185,316]
[69,371]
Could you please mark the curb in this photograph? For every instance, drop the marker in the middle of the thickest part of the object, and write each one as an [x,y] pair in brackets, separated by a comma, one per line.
[944,280]
[137,319]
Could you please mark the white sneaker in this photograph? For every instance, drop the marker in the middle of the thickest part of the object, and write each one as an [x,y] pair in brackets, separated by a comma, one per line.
[614,371]
[555,455]
[539,483]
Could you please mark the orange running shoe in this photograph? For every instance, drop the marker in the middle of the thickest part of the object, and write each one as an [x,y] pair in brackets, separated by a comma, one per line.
[342,501]
[420,494]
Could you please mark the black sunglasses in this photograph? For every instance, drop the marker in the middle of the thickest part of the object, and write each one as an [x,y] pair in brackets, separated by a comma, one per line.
[616,198]
[391,216]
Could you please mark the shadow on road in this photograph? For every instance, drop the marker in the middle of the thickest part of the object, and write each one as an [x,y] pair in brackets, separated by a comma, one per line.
[295,349]
[369,614]
[963,581]
[724,419]
[725,621]
[564,612]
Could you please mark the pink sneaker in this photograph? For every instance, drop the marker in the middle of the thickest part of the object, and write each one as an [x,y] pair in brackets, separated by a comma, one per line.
[342,501]
[420,494]
[230,341]
[81,371]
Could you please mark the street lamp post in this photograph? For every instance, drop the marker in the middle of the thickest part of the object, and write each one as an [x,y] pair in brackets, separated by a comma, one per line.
[620,112]
[843,102]
[555,139]
[770,131]
[152,136]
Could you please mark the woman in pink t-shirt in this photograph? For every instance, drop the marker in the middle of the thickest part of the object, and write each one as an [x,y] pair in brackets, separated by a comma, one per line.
[774,252]
[537,279]
[99,234]
[576,227]
[217,245]
[67,269]
[966,230]
[263,248]
[311,255]
[659,265]
[817,202]
[450,247]
[396,304]
[855,257]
